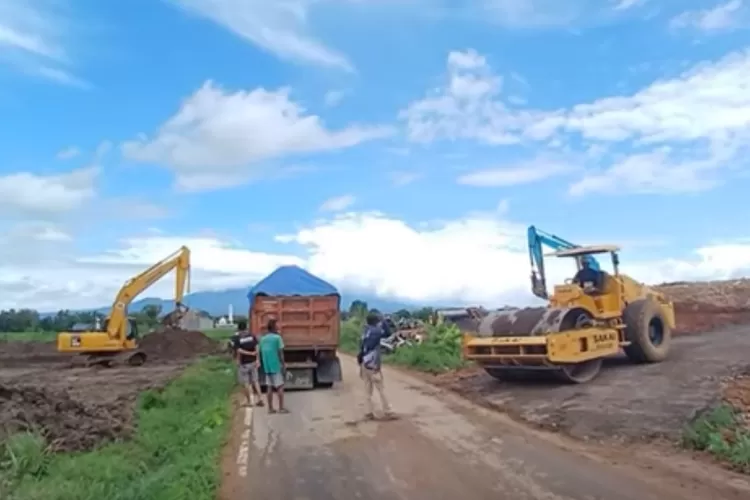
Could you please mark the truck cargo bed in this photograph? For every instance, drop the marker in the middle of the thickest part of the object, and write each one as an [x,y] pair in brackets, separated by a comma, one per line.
[310,327]
[303,321]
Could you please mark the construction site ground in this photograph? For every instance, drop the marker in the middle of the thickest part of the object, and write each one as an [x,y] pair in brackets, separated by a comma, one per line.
[441,447]
[326,448]
[625,401]
[640,402]
[77,408]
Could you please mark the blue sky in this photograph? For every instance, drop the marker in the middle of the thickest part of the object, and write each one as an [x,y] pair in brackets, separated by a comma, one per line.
[315,131]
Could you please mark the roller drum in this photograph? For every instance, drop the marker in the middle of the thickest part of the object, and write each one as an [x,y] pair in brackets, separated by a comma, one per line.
[532,321]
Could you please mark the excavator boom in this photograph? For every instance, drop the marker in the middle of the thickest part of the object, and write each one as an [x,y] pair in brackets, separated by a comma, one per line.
[180,262]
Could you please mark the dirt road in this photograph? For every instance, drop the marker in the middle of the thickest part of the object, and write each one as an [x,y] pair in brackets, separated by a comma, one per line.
[443,447]
[628,402]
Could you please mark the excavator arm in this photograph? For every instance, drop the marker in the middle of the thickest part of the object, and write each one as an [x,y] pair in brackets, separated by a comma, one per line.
[117,325]
[537,239]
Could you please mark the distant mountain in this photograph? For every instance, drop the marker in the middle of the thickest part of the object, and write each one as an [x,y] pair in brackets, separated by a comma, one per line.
[217,302]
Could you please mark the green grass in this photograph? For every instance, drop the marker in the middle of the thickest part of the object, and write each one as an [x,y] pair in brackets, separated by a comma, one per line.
[35,336]
[722,433]
[439,352]
[174,454]
[220,334]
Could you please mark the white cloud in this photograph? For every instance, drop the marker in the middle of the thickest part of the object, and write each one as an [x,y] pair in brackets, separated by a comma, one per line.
[27,193]
[338,203]
[35,38]
[722,17]
[333,97]
[404,177]
[451,261]
[45,272]
[705,108]
[653,172]
[279,27]
[60,76]
[708,102]
[466,107]
[524,173]
[628,4]
[444,262]
[218,138]
[535,13]
[68,153]
[551,14]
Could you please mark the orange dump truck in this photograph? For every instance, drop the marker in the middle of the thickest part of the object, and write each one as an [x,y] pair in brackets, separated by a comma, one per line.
[307,312]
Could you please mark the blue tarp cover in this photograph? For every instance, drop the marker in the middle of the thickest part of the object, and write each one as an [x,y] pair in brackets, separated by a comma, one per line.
[291,280]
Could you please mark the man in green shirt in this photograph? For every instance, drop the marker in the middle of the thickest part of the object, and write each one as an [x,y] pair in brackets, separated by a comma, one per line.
[271,350]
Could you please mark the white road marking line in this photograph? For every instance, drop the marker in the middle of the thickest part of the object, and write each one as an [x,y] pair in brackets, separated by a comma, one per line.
[244,449]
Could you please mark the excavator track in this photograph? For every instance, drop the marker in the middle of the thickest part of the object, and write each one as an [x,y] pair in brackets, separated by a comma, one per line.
[110,360]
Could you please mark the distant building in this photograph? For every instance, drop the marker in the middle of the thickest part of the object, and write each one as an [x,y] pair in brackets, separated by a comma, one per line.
[197,320]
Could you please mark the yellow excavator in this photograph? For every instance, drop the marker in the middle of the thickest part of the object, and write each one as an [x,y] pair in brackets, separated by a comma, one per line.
[589,317]
[116,340]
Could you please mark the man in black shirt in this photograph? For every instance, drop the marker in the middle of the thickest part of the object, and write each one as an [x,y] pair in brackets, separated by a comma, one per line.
[246,354]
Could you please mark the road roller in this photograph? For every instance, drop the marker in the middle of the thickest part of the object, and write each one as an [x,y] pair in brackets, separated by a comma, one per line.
[583,323]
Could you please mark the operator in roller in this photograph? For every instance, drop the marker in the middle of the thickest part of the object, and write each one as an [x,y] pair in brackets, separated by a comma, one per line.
[587,277]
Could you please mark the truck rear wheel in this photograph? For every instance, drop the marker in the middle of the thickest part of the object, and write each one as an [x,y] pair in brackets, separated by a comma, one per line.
[647,331]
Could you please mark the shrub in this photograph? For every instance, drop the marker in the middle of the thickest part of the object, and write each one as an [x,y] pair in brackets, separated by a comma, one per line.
[722,433]
[439,351]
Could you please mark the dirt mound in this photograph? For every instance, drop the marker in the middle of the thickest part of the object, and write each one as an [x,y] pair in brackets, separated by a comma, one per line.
[66,424]
[19,353]
[734,294]
[178,344]
[709,305]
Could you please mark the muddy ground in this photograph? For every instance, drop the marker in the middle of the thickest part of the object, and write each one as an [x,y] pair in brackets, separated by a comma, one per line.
[79,408]
[626,401]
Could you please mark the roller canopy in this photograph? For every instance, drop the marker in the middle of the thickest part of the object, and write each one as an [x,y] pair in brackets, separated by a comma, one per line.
[291,280]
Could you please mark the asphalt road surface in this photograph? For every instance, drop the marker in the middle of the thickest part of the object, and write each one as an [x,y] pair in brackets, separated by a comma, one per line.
[442,447]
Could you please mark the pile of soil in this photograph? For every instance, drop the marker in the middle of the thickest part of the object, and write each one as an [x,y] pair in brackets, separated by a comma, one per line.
[709,305]
[699,317]
[66,424]
[177,344]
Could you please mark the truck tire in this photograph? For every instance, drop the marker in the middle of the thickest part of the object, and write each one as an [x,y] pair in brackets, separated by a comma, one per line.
[648,332]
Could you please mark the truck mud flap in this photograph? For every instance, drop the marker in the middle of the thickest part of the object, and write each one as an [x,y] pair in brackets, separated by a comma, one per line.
[294,378]
[328,371]
[299,378]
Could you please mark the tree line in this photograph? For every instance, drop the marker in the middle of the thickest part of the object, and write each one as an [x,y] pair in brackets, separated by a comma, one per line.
[30,320]
[360,309]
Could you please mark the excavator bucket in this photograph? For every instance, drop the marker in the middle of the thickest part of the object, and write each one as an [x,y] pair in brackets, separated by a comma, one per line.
[173,320]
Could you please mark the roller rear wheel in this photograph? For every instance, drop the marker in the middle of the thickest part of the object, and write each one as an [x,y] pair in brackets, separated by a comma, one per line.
[648,332]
